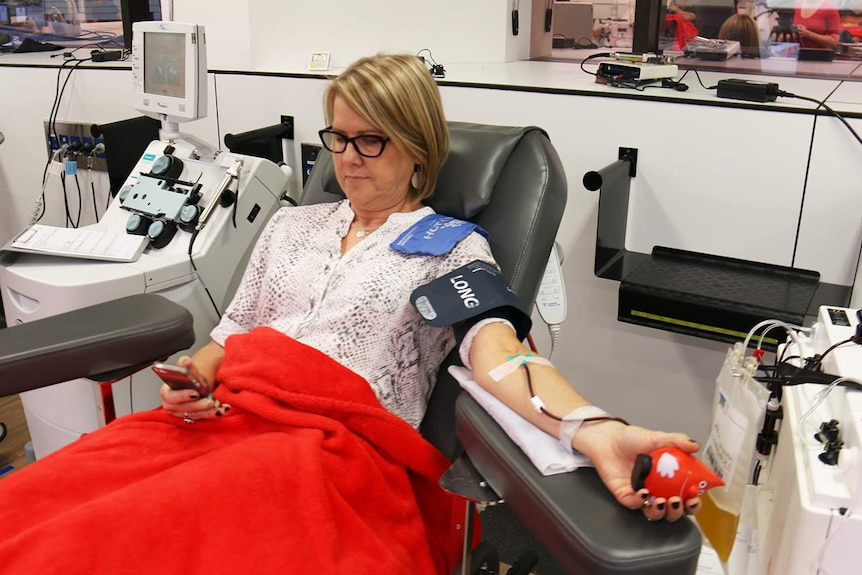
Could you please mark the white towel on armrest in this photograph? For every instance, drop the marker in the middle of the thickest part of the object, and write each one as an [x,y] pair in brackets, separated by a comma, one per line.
[546,452]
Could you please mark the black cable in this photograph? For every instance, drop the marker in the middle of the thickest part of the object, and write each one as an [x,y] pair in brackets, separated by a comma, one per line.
[592,57]
[699,81]
[235,204]
[93,191]
[59,91]
[822,104]
[80,200]
[58,95]
[73,153]
[52,127]
[66,199]
[430,57]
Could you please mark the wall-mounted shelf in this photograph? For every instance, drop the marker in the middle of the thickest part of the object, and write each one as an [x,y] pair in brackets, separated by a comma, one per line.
[687,292]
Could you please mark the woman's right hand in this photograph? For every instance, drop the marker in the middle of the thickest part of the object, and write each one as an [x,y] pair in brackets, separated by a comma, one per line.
[188,404]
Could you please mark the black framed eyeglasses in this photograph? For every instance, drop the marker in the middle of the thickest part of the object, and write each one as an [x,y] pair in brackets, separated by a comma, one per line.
[366,145]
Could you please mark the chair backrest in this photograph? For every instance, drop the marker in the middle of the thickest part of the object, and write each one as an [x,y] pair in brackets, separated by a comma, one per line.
[510,181]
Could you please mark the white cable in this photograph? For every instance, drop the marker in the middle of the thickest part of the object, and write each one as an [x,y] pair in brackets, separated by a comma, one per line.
[791,333]
[554,330]
[753,330]
[771,324]
[39,205]
[819,398]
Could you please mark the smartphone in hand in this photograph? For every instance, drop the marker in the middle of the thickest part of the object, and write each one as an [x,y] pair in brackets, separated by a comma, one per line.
[178,378]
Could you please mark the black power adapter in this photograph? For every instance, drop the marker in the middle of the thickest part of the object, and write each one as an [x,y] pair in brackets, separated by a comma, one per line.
[106,55]
[747,90]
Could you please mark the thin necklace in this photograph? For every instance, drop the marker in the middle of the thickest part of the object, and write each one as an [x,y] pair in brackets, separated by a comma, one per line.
[362,232]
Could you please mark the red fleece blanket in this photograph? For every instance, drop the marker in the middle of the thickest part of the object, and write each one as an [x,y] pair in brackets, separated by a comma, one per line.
[306,474]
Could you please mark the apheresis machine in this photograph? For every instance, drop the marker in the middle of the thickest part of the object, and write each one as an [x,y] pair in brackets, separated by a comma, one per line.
[182,225]
[810,502]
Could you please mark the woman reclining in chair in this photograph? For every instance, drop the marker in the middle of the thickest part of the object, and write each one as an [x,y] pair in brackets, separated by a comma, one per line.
[307,456]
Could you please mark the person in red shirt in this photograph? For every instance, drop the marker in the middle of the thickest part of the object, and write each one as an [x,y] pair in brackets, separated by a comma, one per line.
[818,24]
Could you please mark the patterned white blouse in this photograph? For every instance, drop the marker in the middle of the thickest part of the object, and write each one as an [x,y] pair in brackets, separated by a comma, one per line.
[354,308]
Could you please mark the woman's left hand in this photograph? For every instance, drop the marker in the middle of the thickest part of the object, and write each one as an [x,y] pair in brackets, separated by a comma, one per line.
[613,448]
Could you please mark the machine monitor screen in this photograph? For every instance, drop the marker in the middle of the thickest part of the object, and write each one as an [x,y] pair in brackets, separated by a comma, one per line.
[165,64]
[169,70]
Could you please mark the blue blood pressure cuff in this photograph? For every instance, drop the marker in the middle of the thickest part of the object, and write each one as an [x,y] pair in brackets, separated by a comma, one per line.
[468,295]
[434,235]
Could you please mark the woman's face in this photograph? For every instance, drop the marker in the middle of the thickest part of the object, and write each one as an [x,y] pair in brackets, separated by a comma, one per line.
[371,184]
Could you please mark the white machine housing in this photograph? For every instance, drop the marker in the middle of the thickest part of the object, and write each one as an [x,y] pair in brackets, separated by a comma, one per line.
[810,512]
[37,286]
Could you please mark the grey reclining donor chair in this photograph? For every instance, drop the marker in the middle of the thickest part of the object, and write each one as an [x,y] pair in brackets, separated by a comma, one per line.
[511,182]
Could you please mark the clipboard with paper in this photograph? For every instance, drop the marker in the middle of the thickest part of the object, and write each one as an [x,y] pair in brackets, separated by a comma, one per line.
[81,243]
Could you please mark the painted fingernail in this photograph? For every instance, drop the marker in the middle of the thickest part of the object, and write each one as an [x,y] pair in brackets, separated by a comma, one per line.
[645,494]
[194,396]
[219,414]
[675,504]
[227,408]
[694,506]
[660,506]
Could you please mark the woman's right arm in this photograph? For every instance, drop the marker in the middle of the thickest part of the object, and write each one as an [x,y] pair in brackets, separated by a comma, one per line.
[203,365]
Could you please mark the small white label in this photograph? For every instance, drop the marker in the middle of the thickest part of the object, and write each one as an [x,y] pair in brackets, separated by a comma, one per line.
[725,439]
[423,305]
[319,61]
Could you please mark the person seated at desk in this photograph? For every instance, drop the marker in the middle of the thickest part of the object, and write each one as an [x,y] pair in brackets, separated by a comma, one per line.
[743,29]
[817,23]
[307,456]
[851,25]
[679,22]
[697,18]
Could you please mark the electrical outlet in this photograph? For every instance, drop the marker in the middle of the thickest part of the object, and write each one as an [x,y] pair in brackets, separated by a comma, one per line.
[61,133]
[309,157]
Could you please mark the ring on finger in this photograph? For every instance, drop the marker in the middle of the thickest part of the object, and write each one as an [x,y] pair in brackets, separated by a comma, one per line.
[187,418]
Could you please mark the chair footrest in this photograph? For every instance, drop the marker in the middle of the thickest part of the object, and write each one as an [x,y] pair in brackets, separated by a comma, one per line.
[574,516]
[109,338]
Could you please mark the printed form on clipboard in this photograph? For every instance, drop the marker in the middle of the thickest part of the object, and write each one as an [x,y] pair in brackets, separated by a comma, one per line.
[78,243]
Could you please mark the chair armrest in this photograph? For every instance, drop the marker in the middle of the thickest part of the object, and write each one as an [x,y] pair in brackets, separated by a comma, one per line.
[573,515]
[102,342]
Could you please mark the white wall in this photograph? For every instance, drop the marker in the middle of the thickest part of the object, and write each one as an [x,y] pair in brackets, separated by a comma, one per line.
[710,178]
[279,35]
[715,192]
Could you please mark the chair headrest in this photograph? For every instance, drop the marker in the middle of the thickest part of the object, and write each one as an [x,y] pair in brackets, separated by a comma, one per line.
[467,179]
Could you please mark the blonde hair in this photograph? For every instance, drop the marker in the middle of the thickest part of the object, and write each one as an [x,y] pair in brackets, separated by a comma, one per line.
[397,94]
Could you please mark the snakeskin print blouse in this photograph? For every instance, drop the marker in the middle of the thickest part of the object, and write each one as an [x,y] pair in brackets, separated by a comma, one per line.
[355,308]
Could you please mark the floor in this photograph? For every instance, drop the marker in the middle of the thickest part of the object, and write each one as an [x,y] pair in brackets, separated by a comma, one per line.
[12,456]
